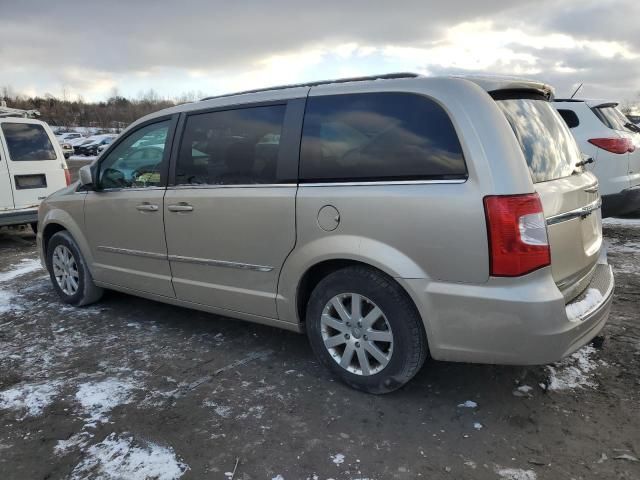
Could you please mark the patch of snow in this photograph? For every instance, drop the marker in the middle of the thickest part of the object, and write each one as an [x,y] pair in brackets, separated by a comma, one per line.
[576,310]
[75,441]
[468,404]
[575,371]
[6,301]
[338,458]
[621,222]
[99,398]
[278,477]
[30,398]
[27,265]
[119,457]
[477,426]
[523,391]
[627,247]
[516,474]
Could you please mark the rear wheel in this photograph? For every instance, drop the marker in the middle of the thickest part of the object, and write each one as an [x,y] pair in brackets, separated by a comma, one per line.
[364,328]
[69,272]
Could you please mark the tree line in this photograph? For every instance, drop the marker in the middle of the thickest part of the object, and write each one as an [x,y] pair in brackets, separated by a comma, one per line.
[116,112]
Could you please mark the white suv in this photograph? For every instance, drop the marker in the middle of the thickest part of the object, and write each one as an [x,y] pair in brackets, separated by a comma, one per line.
[608,137]
[32,167]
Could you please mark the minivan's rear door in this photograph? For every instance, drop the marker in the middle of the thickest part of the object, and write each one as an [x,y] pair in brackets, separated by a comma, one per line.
[35,166]
[6,192]
[569,194]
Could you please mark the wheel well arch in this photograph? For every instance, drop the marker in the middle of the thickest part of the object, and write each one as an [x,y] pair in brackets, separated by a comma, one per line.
[320,270]
[49,231]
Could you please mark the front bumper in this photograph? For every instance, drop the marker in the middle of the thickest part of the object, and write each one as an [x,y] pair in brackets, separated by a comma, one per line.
[623,203]
[519,321]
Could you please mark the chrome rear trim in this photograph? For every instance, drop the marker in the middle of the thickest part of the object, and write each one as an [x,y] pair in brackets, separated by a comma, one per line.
[136,253]
[581,212]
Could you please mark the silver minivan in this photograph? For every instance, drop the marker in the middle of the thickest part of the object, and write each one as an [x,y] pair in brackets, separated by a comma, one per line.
[390,218]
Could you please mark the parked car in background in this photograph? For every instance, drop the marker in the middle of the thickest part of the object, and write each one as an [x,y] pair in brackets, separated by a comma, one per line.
[612,142]
[101,148]
[405,215]
[32,166]
[67,136]
[91,148]
[634,119]
[67,149]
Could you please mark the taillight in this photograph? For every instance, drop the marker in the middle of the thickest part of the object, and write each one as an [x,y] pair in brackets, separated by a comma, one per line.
[67,176]
[517,232]
[614,145]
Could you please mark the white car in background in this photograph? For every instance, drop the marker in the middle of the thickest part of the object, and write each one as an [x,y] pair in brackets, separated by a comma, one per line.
[612,142]
[68,136]
[32,167]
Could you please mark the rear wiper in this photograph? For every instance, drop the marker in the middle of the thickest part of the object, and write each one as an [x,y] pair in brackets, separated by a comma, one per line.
[633,127]
[584,161]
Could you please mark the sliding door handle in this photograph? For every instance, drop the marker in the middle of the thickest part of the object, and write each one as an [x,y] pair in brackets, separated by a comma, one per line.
[180,207]
[147,207]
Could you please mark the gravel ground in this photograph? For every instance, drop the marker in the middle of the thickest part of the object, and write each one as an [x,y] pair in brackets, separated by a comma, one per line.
[134,389]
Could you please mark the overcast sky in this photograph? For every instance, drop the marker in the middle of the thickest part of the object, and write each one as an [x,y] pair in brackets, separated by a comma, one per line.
[211,46]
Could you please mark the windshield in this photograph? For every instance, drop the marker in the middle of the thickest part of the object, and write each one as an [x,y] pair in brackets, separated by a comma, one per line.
[548,146]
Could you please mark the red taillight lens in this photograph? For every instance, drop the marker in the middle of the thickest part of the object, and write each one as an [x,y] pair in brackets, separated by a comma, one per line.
[67,176]
[517,231]
[614,145]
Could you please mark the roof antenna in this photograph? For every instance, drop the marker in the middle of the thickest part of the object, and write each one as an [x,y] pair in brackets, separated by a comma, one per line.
[574,93]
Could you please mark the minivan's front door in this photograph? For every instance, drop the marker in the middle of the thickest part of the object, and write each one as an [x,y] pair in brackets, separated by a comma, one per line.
[230,217]
[123,215]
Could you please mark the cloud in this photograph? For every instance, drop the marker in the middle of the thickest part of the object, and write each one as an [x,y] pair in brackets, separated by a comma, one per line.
[214,46]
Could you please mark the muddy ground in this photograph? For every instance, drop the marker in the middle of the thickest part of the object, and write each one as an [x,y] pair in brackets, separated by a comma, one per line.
[130,388]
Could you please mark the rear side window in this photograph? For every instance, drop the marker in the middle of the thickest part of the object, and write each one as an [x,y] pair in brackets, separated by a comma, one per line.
[231,147]
[569,117]
[378,136]
[548,146]
[28,142]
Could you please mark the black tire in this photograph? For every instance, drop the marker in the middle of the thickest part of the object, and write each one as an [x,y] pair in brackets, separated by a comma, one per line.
[87,292]
[409,339]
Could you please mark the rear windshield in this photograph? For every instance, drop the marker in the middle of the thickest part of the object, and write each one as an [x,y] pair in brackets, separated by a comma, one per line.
[28,142]
[547,144]
[613,118]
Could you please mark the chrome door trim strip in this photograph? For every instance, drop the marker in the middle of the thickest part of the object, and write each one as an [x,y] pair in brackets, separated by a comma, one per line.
[127,251]
[240,185]
[578,212]
[220,263]
[382,182]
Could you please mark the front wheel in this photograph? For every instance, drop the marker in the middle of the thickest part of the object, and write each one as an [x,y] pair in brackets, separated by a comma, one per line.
[69,272]
[364,328]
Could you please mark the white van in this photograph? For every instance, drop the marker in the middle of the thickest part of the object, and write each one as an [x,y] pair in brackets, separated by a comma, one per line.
[32,166]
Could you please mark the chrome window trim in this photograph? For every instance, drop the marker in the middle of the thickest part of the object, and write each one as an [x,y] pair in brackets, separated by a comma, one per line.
[220,263]
[383,182]
[127,189]
[137,253]
[576,213]
[242,185]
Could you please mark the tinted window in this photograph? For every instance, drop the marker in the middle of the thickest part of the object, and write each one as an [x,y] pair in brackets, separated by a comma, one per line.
[547,144]
[136,161]
[569,117]
[231,147]
[28,142]
[374,136]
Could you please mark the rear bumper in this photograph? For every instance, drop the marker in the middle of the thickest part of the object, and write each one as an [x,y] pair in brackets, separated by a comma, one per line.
[625,202]
[520,321]
[18,217]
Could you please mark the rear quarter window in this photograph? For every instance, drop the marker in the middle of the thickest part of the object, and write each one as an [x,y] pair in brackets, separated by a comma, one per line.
[547,144]
[378,136]
[569,117]
[28,142]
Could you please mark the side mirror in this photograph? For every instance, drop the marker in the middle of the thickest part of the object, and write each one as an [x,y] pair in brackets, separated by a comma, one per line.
[86,176]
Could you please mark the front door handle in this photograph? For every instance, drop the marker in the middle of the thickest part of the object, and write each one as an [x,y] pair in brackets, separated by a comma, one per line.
[180,207]
[147,207]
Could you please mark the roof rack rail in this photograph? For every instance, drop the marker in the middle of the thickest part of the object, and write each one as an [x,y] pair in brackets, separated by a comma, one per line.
[384,76]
